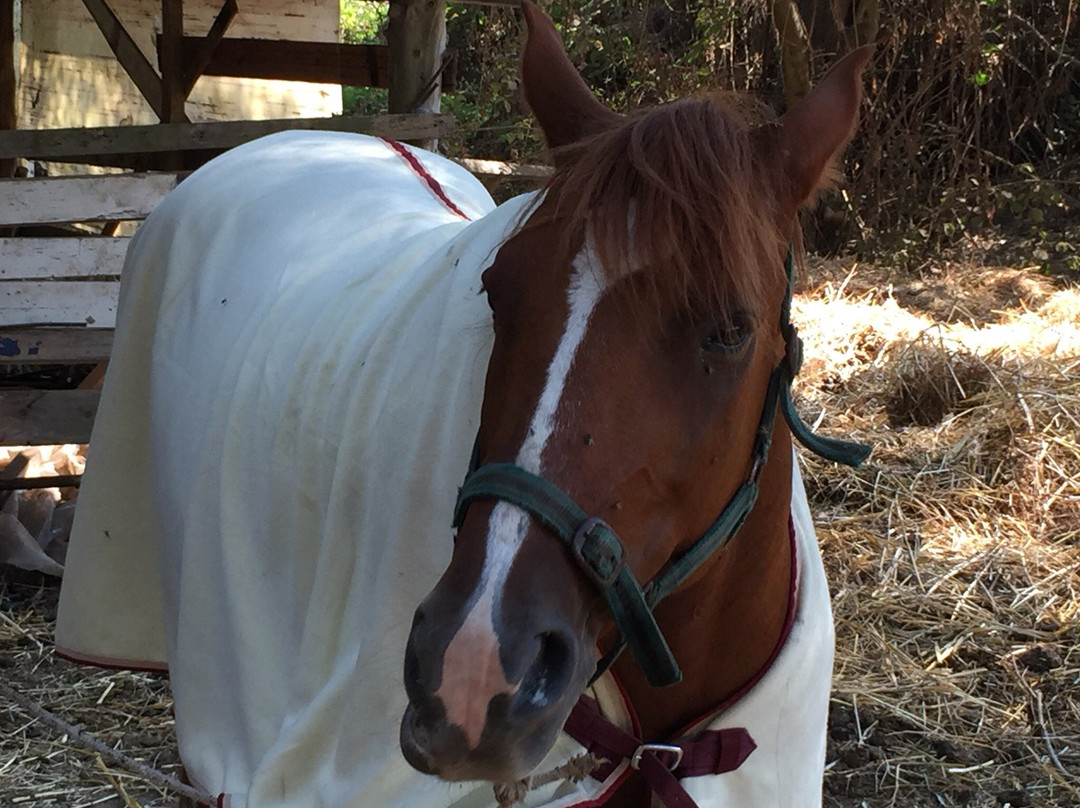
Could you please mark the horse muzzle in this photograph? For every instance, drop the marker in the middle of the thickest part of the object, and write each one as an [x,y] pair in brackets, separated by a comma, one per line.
[488,708]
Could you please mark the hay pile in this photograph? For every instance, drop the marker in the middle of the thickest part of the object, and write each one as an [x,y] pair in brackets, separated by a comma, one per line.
[954,555]
[954,558]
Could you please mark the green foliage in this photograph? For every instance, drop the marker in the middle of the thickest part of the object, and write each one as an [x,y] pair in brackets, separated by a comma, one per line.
[631,52]
[364,21]
[364,100]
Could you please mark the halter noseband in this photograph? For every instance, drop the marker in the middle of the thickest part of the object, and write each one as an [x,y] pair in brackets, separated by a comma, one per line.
[596,546]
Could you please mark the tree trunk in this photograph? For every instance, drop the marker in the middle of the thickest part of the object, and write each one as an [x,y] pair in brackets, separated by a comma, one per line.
[795,48]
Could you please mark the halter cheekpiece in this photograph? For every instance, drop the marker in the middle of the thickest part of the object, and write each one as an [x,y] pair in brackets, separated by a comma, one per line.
[596,546]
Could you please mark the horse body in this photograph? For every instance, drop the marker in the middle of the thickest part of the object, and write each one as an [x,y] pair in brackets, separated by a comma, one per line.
[311,339]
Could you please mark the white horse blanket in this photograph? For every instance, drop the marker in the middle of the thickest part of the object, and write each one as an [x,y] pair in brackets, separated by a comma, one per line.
[292,398]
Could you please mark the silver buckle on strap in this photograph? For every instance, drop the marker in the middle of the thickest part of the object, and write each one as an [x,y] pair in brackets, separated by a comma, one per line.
[661,750]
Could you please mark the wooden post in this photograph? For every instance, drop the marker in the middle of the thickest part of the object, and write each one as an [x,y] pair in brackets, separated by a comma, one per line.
[9,83]
[416,34]
[171,62]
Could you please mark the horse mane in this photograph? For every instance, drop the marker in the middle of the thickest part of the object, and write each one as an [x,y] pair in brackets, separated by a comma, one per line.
[679,193]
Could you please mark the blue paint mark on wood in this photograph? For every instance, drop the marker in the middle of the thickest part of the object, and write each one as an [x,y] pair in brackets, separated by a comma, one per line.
[9,347]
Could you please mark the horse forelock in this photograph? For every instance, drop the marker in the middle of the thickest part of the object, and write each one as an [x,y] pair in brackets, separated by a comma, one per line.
[682,194]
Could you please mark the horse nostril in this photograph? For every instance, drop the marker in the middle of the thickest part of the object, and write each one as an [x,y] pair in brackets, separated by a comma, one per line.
[550,673]
[412,672]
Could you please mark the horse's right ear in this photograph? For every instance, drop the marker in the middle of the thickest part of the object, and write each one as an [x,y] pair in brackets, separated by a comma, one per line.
[563,104]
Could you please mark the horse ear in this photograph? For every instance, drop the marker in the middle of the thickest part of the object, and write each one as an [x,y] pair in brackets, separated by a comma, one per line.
[563,104]
[815,130]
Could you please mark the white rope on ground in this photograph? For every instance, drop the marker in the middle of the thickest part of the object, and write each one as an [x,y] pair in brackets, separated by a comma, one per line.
[158,778]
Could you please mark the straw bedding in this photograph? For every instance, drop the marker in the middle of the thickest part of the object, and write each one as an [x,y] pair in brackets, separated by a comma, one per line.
[954,560]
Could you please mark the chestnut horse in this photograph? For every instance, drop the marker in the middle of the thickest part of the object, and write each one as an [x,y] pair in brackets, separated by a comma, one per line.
[297,381]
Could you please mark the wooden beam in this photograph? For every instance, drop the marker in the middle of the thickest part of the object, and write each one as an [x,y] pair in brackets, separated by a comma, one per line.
[82,199]
[204,51]
[320,62]
[171,62]
[9,82]
[128,54]
[35,417]
[73,345]
[212,136]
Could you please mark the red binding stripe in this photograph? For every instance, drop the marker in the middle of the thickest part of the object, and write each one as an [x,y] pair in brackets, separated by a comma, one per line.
[418,169]
[711,752]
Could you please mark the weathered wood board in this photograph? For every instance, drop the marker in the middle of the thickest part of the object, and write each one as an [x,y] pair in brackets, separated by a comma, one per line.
[319,62]
[213,136]
[54,345]
[61,258]
[47,416]
[91,303]
[82,199]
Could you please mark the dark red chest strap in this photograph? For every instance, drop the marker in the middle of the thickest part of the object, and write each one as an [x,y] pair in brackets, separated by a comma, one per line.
[712,752]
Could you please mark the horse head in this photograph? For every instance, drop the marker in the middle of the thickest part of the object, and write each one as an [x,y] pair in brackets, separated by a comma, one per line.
[637,317]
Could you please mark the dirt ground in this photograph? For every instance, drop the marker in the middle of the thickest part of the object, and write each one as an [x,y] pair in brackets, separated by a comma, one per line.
[953,555]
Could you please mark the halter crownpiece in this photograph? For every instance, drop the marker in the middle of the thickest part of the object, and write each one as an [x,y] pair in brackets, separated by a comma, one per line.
[596,546]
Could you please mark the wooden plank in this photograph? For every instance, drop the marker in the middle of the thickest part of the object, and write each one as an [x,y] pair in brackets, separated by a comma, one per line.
[319,62]
[60,258]
[54,346]
[92,303]
[34,417]
[211,136]
[82,199]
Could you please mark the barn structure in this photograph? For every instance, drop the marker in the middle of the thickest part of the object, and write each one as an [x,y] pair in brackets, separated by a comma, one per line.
[114,100]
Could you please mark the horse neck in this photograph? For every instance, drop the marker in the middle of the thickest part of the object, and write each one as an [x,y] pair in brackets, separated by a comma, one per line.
[724,626]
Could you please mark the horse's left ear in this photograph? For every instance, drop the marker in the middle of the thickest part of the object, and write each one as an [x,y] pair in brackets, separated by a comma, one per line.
[813,132]
[560,99]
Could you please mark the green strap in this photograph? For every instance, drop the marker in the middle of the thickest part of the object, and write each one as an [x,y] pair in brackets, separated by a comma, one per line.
[847,452]
[596,547]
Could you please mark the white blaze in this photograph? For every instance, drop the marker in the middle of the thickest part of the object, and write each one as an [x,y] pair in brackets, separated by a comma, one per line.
[509,523]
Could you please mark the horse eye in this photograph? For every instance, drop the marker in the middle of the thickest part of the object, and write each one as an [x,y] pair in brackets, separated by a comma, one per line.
[726,338]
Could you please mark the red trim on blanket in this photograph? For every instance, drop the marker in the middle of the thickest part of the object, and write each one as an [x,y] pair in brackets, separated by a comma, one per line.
[785,632]
[789,619]
[111,663]
[429,181]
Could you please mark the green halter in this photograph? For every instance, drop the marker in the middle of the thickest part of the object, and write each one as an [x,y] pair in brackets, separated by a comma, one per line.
[597,547]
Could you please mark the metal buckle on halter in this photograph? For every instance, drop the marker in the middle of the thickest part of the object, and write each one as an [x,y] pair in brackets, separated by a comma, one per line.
[658,749]
[583,534]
